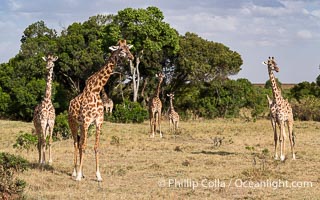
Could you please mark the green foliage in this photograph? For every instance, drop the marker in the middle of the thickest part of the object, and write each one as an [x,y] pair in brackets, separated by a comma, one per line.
[26,141]
[4,102]
[115,140]
[10,187]
[249,148]
[223,99]
[305,89]
[318,80]
[17,163]
[200,60]
[129,112]
[196,68]
[61,126]
[307,108]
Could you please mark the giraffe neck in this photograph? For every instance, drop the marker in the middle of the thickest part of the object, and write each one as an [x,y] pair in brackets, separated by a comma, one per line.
[96,82]
[171,105]
[104,94]
[158,89]
[275,90]
[49,84]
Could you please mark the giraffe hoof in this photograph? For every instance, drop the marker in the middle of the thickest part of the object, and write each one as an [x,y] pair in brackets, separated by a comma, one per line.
[74,173]
[293,157]
[98,175]
[79,176]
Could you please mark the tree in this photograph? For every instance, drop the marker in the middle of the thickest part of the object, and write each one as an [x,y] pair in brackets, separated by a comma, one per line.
[318,80]
[149,34]
[305,89]
[200,60]
[23,77]
[81,51]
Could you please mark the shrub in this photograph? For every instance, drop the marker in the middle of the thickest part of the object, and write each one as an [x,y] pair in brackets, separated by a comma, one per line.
[26,141]
[11,188]
[129,112]
[307,108]
[61,126]
[9,161]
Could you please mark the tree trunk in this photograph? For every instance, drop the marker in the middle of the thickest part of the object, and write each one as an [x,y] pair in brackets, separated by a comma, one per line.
[135,76]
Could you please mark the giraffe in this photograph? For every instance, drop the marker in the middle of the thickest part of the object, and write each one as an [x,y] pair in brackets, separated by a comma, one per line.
[155,106]
[173,115]
[107,102]
[44,114]
[283,112]
[87,108]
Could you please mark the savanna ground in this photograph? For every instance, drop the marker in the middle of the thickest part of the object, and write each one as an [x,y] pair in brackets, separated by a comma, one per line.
[182,166]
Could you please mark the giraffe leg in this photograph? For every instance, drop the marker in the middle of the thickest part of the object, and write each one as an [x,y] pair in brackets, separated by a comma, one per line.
[74,131]
[83,140]
[75,157]
[96,146]
[275,135]
[151,116]
[43,149]
[39,147]
[155,124]
[282,142]
[176,126]
[170,124]
[51,125]
[43,143]
[159,123]
[290,129]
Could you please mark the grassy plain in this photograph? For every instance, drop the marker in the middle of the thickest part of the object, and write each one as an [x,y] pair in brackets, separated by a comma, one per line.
[185,165]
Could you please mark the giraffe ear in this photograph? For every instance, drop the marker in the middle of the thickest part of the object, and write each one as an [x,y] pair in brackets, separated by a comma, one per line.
[130,46]
[55,58]
[264,63]
[114,48]
[168,95]
[44,58]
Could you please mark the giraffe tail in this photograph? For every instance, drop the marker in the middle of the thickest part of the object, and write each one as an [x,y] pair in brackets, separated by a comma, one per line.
[78,141]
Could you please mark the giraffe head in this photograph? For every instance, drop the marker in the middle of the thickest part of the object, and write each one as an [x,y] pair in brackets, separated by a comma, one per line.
[171,95]
[272,65]
[123,49]
[50,61]
[160,76]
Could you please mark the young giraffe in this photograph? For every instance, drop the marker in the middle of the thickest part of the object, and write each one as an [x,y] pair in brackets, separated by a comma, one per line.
[283,114]
[44,114]
[107,102]
[173,115]
[87,108]
[155,106]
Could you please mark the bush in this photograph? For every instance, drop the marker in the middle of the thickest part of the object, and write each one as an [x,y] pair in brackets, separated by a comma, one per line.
[11,188]
[129,112]
[61,126]
[16,163]
[26,141]
[307,108]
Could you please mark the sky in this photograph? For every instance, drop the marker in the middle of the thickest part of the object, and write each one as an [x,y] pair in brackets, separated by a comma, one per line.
[289,30]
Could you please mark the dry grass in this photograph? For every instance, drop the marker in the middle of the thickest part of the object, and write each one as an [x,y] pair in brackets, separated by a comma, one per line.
[133,166]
